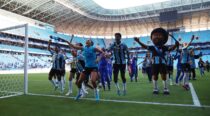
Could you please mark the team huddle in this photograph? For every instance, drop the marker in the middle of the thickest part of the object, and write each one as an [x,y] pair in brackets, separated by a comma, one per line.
[95,66]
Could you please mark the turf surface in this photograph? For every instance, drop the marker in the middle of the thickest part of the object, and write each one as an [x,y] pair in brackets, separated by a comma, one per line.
[140,91]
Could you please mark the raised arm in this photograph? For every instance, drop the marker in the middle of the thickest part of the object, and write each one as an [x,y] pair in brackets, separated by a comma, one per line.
[72,45]
[99,50]
[174,46]
[193,36]
[140,43]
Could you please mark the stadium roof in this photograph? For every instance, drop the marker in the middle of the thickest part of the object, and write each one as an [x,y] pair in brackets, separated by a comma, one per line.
[65,14]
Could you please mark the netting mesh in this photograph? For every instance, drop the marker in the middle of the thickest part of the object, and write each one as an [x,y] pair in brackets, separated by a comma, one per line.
[12,44]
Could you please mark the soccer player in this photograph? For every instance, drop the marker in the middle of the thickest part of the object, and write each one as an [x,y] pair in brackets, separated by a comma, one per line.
[148,66]
[134,67]
[77,66]
[109,68]
[57,66]
[201,66]
[185,63]
[63,67]
[159,37]
[192,62]
[119,51]
[180,72]
[103,70]
[144,64]
[72,71]
[91,67]
[207,66]
[170,63]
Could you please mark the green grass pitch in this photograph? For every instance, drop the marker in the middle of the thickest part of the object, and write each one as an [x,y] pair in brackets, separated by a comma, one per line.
[29,105]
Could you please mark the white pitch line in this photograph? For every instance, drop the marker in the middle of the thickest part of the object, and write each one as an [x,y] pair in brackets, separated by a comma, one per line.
[194,96]
[206,106]
[18,94]
[120,101]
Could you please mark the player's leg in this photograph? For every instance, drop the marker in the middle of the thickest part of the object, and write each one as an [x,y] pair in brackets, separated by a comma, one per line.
[186,76]
[149,74]
[178,72]
[71,76]
[102,78]
[60,84]
[63,72]
[165,85]
[116,72]
[171,76]
[50,77]
[193,74]
[155,84]
[122,73]
[181,76]
[130,72]
[136,74]
[106,77]
[79,84]
[155,72]
[94,78]
[163,72]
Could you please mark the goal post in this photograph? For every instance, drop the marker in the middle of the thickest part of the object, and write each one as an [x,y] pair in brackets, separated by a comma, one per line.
[14,61]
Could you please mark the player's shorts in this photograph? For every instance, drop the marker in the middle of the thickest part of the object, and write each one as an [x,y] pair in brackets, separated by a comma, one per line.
[143,70]
[63,72]
[73,70]
[119,67]
[185,67]
[88,70]
[159,68]
[80,66]
[170,68]
[55,73]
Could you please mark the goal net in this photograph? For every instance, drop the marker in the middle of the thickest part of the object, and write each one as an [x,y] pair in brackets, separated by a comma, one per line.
[13,60]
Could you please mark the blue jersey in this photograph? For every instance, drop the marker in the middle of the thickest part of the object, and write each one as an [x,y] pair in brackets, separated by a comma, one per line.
[80,55]
[148,62]
[144,64]
[109,65]
[58,61]
[185,56]
[103,62]
[63,62]
[170,60]
[192,59]
[134,62]
[120,51]
[89,56]
[179,61]
[158,54]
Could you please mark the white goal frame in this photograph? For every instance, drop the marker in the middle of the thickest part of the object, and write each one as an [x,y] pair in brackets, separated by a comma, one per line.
[25,86]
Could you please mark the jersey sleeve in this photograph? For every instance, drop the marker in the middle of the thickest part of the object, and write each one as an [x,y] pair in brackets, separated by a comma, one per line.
[150,48]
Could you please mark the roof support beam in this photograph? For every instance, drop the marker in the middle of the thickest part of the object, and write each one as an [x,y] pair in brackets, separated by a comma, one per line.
[7,3]
[36,7]
[59,16]
[44,11]
[52,13]
[22,5]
